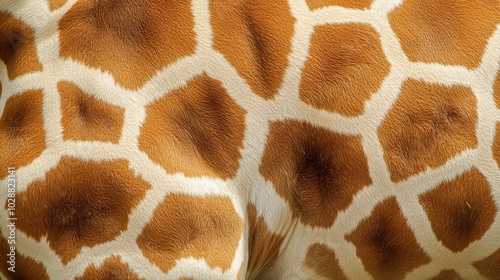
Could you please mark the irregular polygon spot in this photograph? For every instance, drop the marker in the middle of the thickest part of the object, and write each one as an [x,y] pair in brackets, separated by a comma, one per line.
[17,46]
[24,266]
[358,4]
[255,36]
[447,274]
[184,226]
[197,130]
[130,39]
[323,262]
[496,89]
[460,211]
[449,32]
[346,65]
[427,126]
[490,266]
[315,170]
[80,204]
[112,268]
[56,4]
[22,137]
[385,243]
[86,118]
[263,245]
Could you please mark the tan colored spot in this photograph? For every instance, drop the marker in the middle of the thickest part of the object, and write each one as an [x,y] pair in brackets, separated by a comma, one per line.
[358,4]
[56,4]
[490,266]
[460,211]
[22,137]
[316,171]
[17,46]
[86,118]
[496,145]
[447,275]
[255,36]
[386,244]
[345,67]
[263,246]
[130,39]
[427,125]
[497,90]
[80,204]
[449,31]
[25,267]
[323,262]
[197,130]
[200,227]
[112,268]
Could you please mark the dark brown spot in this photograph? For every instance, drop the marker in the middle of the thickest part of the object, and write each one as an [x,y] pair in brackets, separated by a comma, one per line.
[56,4]
[447,275]
[22,137]
[316,171]
[446,32]
[358,4]
[25,267]
[184,226]
[460,211]
[80,204]
[197,130]
[257,44]
[17,46]
[427,125]
[263,246]
[130,39]
[490,266]
[346,65]
[112,269]
[86,118]
[386,244]
[323,262]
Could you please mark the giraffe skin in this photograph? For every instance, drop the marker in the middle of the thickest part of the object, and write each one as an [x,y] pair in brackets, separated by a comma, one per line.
[250,139]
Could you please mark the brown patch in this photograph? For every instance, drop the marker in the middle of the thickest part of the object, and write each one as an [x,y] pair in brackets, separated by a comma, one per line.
[25,267]
[200,227]
[490,266]
[22,136]
[80,204]
[17,46]
[112,268]
[346,66]
[496,145]
[386,244]
[460,211]
[130,39]
[448,32]
[496,89]
[56,4]
[197,130]
[263,246]
[316,171]
[358,4]
[86,118]
[257,41]
[447,275]
[323,262]
[427,125]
